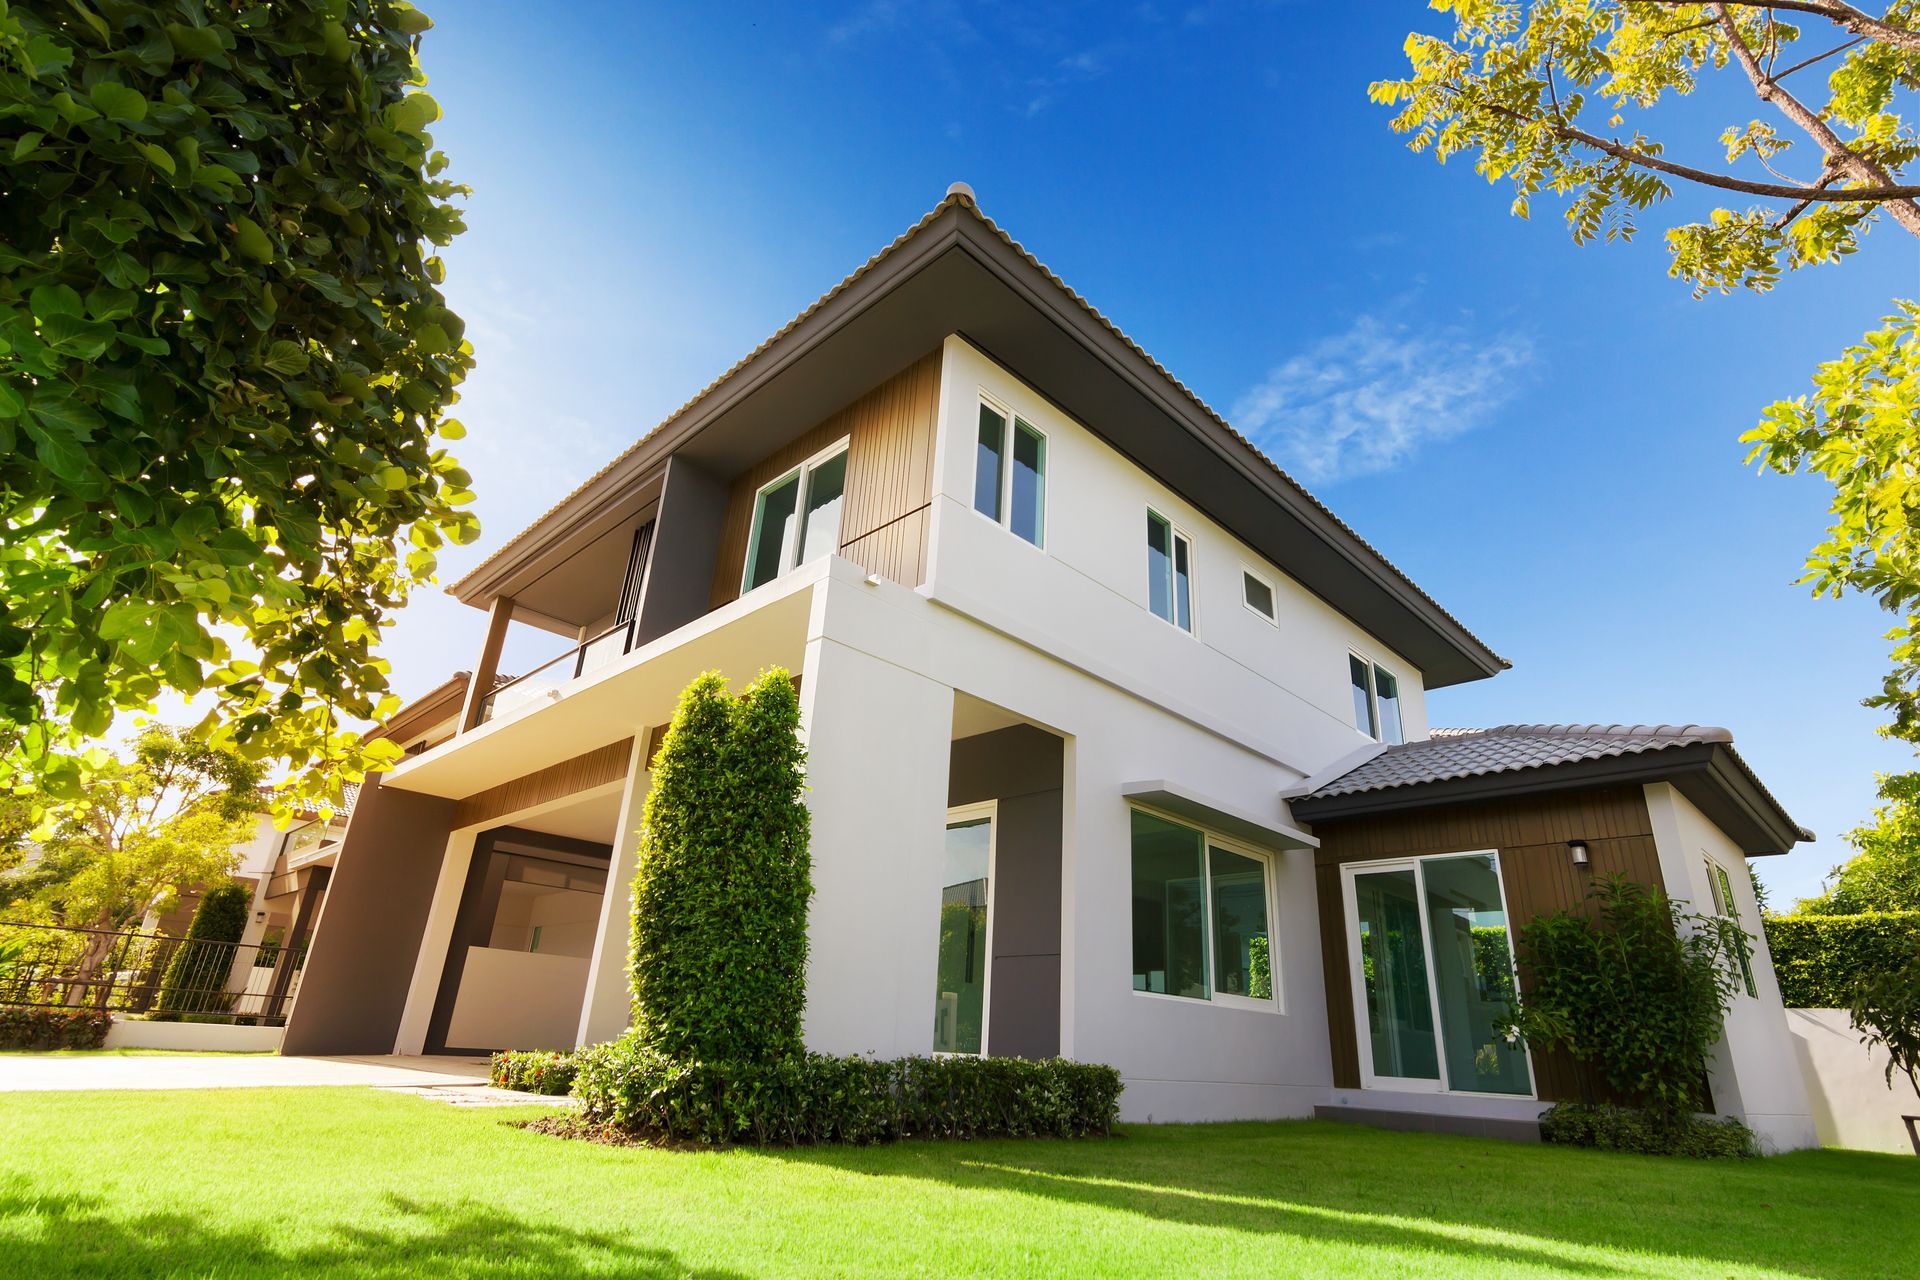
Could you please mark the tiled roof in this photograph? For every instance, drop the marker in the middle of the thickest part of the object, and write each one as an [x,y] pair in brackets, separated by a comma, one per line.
[966,201]
[1471,753]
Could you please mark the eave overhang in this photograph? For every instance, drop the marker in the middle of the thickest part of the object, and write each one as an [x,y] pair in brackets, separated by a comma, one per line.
[957,273]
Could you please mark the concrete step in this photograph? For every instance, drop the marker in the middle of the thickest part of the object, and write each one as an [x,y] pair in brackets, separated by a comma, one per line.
[1429,1122]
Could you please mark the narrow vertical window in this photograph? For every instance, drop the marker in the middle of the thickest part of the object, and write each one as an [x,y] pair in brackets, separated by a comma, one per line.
[1027,500]
[1723,891]
[1362,677]
[960,976]
[820,530]
[1387,695]
[772,536]
[1169,572]
[987,460]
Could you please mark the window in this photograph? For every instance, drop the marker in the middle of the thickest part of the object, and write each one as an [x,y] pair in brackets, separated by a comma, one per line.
[1257,592]
[1169,572]
[1724,904]
[960,985]
[1010,478]
[1376,700]
[1200,927]
[797,517]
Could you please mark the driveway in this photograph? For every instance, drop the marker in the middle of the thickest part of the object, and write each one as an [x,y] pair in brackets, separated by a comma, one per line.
[23,1072]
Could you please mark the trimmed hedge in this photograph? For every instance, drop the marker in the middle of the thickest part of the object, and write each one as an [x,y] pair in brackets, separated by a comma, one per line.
[719,954]
[815,1098]
[536,1071]
[1821,959]
[25,1027]
[196,979]
[1610,1128]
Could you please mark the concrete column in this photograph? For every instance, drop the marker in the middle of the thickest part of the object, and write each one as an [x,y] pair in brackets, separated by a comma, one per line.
[607,1010]
[878,742]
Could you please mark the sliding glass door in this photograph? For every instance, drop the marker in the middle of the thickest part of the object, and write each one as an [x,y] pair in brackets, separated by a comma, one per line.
[1432,974]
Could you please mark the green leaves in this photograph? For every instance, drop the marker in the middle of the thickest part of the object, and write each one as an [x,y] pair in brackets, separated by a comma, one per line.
[223,359]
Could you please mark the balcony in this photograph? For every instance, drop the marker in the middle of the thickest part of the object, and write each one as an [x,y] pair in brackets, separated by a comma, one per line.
[546,681]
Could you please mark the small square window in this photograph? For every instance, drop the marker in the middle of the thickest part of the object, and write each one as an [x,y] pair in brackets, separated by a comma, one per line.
[1258,594]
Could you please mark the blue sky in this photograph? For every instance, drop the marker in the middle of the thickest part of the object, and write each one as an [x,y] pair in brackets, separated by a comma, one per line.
[1543,436]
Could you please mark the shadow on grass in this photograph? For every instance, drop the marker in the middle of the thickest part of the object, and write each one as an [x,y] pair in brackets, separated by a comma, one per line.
[1484,1201]
[73,1234]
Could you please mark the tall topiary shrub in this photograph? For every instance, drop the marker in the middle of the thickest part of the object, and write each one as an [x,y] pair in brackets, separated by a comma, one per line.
[1638,993]
[719,953]
[196,978]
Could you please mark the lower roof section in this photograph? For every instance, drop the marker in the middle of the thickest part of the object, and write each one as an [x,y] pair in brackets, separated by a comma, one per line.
[1456,765]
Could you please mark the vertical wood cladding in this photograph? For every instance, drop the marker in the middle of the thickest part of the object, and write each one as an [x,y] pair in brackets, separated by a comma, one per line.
[1530,833]
[883,517]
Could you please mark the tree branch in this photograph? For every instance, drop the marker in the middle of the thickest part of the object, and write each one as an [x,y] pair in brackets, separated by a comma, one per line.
[1803,65]
[1834,11]
[1840,156]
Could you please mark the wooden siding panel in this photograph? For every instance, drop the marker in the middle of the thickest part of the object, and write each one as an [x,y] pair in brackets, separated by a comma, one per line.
[889,480]
[1530,836]
[582,773]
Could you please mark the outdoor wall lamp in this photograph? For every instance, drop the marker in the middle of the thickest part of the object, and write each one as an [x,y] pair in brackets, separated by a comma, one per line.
[1578,848]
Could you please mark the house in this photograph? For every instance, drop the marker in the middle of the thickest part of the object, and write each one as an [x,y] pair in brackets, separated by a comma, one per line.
[1118,740]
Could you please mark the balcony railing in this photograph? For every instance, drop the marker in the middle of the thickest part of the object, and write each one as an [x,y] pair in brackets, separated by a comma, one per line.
[548,678]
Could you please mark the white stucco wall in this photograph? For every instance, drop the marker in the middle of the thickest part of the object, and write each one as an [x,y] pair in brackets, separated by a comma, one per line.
[1853,1106]
[1755,1070]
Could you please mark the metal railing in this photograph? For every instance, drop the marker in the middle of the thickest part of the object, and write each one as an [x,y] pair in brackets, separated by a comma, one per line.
[151,974]
[549,676]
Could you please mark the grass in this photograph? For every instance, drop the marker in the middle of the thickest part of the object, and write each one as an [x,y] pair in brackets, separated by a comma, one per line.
[353,1182]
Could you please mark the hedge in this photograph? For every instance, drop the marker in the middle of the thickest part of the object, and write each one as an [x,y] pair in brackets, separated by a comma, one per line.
[1610,1128]
[719,942]
[535,1071]
[1820,959]
[26,1027]
[197,978]
[816,1098]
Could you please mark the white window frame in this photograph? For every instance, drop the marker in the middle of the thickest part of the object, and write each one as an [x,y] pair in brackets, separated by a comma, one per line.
[1720,894]
[1014,421]
[1248,571]
[1193,576]
[789,561]
[1270,874]
[1357,979]
[1374,668]
[990,810]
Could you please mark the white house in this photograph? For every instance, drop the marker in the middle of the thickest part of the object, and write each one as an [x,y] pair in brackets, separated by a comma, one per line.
[1118,740]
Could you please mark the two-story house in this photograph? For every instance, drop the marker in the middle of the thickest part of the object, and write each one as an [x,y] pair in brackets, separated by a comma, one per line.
[1118,740]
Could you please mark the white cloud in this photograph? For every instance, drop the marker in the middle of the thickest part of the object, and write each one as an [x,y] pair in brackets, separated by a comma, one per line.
[1367,400]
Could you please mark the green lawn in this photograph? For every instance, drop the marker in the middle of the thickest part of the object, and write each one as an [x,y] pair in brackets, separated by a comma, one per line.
[350,1182]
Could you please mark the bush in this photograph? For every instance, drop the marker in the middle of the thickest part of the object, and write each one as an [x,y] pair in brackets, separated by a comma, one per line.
[1639,993]
[816,1098]
[1885,1010]
[535,1072]
[1820,960]
[1609,1128]
[719,955]
[196,980]
[23,1027]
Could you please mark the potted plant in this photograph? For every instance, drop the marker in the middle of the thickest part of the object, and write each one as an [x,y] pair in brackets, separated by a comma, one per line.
[1886,1012]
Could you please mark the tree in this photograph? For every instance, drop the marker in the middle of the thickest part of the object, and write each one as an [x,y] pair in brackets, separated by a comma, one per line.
[197,975]
[1884,872]
[1886,1013]
[172,815]
[224,361]
[1540,93]
[718,963]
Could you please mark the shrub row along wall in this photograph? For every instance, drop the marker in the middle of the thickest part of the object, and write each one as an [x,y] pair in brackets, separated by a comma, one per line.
[43,1029]
[535,1071]
[815,1098]
[1819,959]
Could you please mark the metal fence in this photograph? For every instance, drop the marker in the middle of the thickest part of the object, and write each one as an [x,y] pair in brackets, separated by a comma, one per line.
[151,974]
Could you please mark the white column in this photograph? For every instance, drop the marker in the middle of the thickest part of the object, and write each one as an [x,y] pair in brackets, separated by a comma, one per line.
[434,940]
[607,1010]
[879,741]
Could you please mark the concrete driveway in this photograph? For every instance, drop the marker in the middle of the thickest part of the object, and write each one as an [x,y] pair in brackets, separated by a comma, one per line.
[24,1072]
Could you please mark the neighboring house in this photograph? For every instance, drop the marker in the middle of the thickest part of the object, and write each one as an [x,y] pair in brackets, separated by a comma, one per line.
[1118,740]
